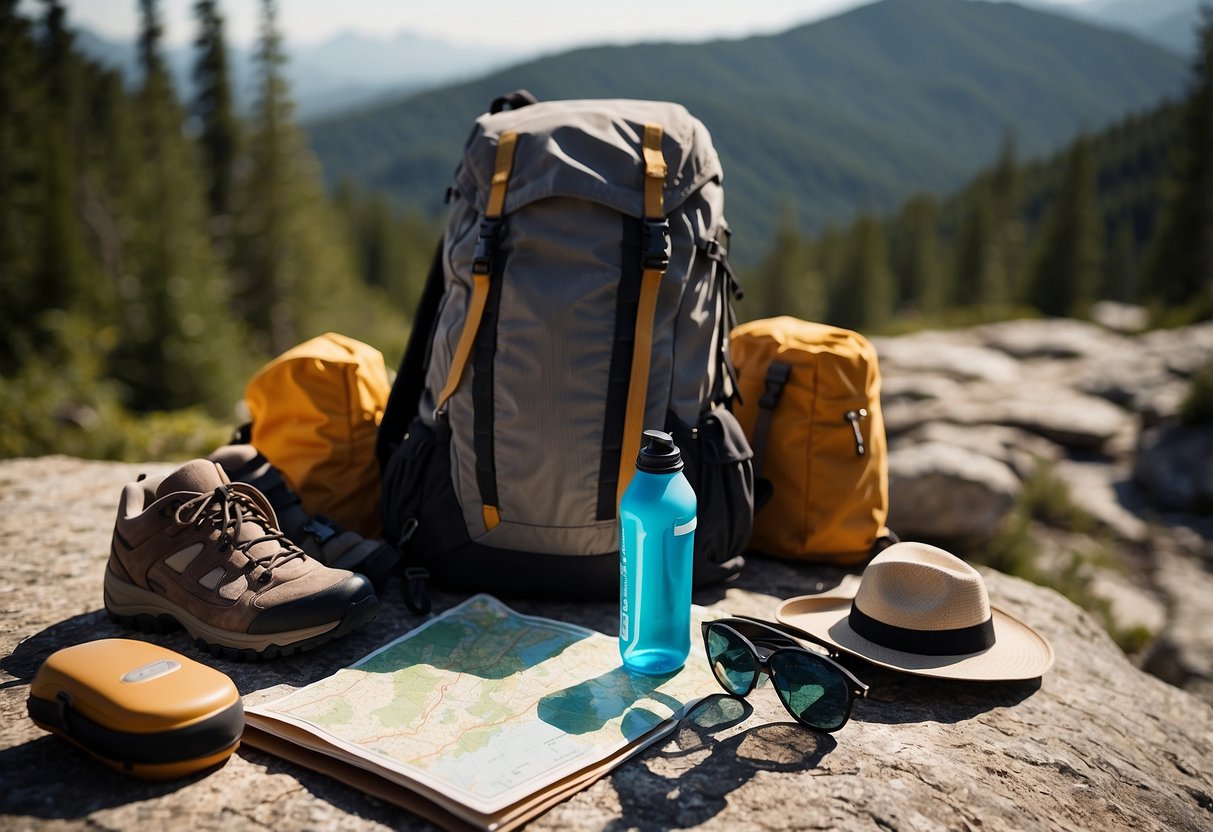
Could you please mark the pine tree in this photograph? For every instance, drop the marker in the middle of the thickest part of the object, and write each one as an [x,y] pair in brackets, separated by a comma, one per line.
[1121,277]
[1003,271]
[296,273]
[973,259]
[917,266]
[863,299]
[1180,269]
[21,126]
[212,105]
[266,278]
[61,260]
[179,345]
[785,280]
[1065,276]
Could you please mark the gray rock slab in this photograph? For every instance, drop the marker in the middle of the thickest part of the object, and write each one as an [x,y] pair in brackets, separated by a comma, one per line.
[949,354]
[1017,448]
[1051,338]
[1105,492]
[1095,744]
[1120,317]
[1184,350]
[1185,652]
[945,492]
[1057,412]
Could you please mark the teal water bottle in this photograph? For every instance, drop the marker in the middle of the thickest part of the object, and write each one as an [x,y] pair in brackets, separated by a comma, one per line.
[656,543]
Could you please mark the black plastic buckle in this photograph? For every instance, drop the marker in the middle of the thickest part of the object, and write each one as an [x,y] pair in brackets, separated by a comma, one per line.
[656,245]
[777,377]
[416,590]
[486,243]
[319,528]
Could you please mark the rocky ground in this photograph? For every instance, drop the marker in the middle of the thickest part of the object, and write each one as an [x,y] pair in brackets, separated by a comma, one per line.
[1096,744]
[1053,449]
[1050,449]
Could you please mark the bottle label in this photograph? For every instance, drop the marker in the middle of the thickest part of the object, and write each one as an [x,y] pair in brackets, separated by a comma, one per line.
[687,527]
[623,586]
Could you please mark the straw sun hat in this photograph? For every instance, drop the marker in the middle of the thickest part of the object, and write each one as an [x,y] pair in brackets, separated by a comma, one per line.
[921,610]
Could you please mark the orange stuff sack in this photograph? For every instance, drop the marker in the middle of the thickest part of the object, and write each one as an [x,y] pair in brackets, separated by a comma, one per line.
[811,409]
[315,415]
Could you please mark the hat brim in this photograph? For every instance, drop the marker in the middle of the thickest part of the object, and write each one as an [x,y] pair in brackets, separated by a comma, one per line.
[1019,652]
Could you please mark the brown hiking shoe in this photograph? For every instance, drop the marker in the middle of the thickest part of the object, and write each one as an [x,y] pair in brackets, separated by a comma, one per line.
[198,550]
[317,535]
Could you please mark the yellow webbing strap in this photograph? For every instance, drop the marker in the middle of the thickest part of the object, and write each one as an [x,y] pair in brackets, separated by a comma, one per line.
[642,345]
[492,517]
[480,296]
[654,173]
[502,167]
[503,164]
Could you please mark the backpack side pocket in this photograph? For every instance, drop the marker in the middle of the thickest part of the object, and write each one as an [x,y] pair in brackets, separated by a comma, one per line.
[421,514]
[719,466]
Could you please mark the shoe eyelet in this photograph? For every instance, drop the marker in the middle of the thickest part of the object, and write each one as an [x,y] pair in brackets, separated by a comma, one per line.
[264,578]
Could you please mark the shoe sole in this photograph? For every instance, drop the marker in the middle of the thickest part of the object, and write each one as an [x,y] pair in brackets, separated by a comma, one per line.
[140,609]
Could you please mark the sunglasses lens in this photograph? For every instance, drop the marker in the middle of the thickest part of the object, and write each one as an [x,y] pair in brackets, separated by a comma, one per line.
[732,662]
[811,688]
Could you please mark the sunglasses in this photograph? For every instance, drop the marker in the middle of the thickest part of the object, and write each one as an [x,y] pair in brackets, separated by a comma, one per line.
[814,689]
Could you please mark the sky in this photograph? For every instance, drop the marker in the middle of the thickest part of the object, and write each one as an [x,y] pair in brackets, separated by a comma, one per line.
[520,25]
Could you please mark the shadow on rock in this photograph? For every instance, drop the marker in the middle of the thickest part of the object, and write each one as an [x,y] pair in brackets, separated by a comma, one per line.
[781,578]
[690,785]
[898,698]
[50,779]
[29,655]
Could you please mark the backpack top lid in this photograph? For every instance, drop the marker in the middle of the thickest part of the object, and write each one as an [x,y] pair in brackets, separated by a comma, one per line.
[589,149]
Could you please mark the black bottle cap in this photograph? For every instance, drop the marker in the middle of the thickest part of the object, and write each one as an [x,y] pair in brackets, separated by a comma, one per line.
[658,454]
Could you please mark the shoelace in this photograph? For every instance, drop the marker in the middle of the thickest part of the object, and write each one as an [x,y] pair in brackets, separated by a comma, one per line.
[234,507]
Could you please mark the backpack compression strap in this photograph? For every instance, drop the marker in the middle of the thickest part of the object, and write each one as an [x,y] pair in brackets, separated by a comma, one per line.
[482,292]
[656,259]
[777,378]
[481,264]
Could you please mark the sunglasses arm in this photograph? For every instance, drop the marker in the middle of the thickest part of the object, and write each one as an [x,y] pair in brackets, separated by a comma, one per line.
[795,632]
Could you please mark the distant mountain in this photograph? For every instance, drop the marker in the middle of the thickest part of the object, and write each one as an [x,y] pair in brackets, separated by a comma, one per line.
[1169,23]
[345,71]
[854,112]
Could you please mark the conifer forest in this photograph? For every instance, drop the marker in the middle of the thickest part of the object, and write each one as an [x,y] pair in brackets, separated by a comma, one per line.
[156,249]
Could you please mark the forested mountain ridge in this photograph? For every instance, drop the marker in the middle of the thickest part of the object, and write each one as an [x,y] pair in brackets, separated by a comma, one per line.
[854,112]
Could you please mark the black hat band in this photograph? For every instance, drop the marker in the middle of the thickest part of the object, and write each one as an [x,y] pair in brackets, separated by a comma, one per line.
[955,642]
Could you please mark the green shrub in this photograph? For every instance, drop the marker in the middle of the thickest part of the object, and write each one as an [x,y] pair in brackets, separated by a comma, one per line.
[1197,407]
[1046,497]
[60,402]
[1044,500]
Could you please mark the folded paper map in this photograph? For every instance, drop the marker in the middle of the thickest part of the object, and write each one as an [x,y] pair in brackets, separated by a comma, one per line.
[481,717]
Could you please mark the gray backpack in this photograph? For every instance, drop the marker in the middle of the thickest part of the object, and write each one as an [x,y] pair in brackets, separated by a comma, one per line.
[581,294]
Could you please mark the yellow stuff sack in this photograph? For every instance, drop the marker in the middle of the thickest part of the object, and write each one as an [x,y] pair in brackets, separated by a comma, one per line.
[810,406]
[315,414]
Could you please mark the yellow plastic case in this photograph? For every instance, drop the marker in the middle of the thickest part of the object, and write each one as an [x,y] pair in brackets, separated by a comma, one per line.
[143,709]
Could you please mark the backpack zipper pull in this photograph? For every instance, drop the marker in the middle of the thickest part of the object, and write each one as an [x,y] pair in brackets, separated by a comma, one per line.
[853,416]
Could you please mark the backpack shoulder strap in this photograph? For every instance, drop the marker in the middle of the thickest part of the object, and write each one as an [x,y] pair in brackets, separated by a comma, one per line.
[655,254]
[410,379]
